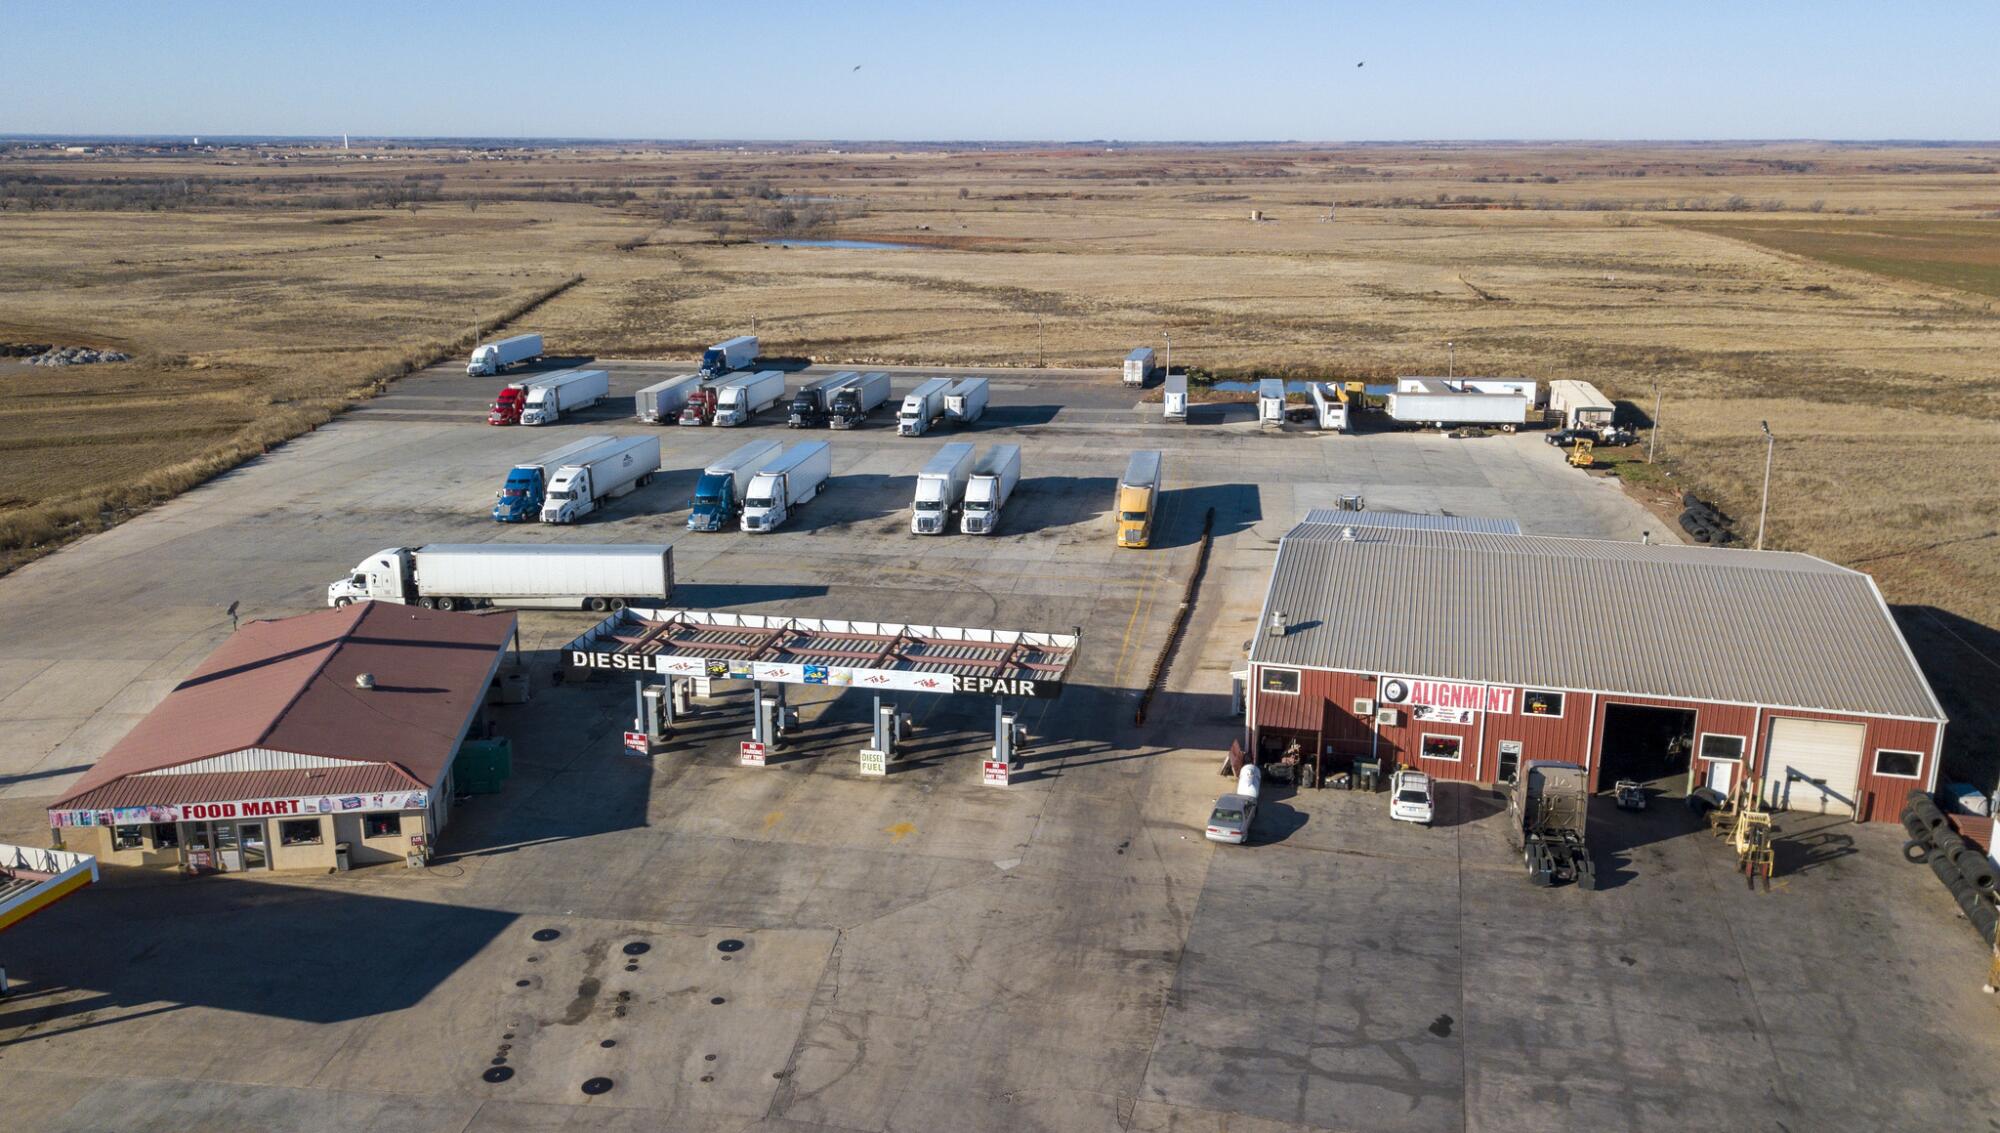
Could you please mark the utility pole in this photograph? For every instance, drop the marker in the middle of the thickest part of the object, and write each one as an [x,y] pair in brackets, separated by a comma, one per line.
[1653,434]
[1770,450]
[1169,372]
[1451,365]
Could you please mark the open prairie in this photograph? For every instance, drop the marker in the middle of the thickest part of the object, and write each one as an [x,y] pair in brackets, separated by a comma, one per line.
[1843,293]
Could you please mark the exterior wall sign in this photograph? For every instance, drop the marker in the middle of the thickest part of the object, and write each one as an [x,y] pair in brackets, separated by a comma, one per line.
[810,674]
[244,808]
[1431,715]
[1417,692]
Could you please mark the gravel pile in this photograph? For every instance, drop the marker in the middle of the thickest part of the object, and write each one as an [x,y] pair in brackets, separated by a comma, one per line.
[77,356]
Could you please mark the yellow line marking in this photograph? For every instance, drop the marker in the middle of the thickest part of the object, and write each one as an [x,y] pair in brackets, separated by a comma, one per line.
[899,831]
[773,818]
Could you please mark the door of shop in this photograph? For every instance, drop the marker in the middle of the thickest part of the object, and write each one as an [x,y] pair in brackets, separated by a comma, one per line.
[239,846]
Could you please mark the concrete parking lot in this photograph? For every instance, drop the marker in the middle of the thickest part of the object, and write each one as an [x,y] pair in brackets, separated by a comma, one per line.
[923,952]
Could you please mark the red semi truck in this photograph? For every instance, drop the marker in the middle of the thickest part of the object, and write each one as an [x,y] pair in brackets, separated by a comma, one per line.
[506,408]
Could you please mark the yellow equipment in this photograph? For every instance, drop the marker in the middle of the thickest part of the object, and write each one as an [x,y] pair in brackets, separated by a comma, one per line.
[1580,455]
[1747,825]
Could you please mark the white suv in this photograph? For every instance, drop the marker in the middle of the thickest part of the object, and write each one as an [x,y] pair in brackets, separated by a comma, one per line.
[1410,797]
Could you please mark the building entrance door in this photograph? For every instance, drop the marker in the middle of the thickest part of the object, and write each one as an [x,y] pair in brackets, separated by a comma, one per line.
[256,852]
[228,852]
[1721,777]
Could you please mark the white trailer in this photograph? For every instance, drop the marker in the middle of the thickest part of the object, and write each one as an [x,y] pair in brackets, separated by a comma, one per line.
[566,392]
[1520,387]
[731,354]
[662,401]
[493,357]
[534,575]
[965,402]
[785,483]
[1174,398]
[853,402]
[1138,366]
[579,487]
[988,489]
[1442,410]
[1271,403]
[718,495]
[1581,405]
[526,488]
[922,407]
[940,488]
[743,397]
[1328,408]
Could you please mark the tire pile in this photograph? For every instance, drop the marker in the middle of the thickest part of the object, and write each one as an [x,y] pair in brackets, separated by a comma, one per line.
[1963,868]
[1702,520]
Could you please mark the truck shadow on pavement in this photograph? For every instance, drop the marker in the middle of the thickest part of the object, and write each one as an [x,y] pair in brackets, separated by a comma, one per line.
[720,595]
[1613,835]
[998,417]
[1237,507]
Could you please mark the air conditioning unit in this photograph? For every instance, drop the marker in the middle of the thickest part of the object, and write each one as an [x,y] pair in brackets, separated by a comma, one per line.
[1388,718]
[1364,707]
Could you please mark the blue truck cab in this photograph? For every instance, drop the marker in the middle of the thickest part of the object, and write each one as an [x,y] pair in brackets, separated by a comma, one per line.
[715,502]
[520,498]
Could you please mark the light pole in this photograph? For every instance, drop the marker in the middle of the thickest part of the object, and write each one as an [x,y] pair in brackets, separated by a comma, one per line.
[1451,363]
[1770,449]
[1653,434]
[1170,354]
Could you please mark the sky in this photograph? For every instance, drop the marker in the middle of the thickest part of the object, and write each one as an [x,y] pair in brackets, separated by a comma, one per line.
[1000,71]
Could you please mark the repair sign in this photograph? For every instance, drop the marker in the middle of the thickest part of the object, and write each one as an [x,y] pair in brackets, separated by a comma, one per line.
[1413,692]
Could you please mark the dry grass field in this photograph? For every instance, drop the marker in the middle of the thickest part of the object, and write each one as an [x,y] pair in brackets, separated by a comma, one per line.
[1843,293]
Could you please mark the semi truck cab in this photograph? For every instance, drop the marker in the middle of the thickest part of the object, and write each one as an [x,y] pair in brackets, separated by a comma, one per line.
[714,502]
[764,502]
[506,408]
[1135,516]
[570,497]
[521,497]
[932,511]
[536,407]
[383,576]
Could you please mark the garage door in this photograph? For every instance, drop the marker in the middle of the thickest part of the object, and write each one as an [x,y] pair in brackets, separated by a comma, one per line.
[1813,765]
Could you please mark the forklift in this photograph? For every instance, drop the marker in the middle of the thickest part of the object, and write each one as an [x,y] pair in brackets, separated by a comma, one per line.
[1581,455]
[1746,825]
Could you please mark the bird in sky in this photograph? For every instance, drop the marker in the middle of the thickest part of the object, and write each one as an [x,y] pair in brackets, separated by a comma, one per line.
[1363,63]
[857,67]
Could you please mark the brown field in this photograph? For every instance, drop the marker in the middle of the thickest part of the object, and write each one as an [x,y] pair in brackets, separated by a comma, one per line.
[1843,293]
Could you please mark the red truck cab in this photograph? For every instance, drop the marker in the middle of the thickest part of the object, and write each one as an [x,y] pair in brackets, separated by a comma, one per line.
[699,410]
[506,409]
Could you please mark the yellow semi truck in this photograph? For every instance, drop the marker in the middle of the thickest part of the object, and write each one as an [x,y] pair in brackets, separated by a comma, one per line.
[1138,498]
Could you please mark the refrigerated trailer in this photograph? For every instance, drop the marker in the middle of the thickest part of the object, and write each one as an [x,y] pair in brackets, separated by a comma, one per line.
[940,487]
[463,576]
[994,477]
[1328,408]
[578,487]
[792,479]
[1174,398]
[922,407]
[663,401]
[965,402]
[853,402]
[521,494]
[1443,410]
[493,357]
[567,392]
[1138,366]
[718,495]
[732,354]
[1271,403]
[746,395]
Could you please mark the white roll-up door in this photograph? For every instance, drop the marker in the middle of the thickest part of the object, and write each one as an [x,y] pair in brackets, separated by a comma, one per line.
[1813,765]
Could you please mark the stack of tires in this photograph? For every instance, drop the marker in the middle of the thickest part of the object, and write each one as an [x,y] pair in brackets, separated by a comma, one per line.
[1964,868]
[1700,519]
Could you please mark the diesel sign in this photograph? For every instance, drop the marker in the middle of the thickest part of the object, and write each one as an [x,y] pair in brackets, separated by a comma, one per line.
[620,662]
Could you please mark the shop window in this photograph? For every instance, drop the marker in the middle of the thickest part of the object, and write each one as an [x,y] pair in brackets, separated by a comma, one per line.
[1898,764]
[1281,680]
[381,825]
[1443,747]
[1722,748]
[126,838]
[1535,702]
[300,832]
[166,835]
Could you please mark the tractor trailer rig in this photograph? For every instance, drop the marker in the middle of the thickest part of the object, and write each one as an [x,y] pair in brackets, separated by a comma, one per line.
[465,576]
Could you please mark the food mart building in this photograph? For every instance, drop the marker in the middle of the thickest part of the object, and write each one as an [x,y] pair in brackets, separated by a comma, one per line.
[293,738]
[1463,648]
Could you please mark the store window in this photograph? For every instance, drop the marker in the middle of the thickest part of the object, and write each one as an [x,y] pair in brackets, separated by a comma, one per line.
[1898,764]
[1443,747]
[299,832]
[126,838]
[381,825]
[1536,702]
[166,835]
[1725,749]
[1281,680]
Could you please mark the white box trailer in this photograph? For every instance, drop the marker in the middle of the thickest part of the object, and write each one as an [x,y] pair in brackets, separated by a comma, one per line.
[1174,398]
[1442,410]
[493,357]
[922,407]
[940,488]
[731,354]
[1138,366]
[785,483]
[965,402]
[464,576]
[663,401]
[1270,403]
[1581,405]
[1329,409]
[1520,387]
[718,495]
[853,402]
[578,487]
[743,397]
[566,392]
[987,490]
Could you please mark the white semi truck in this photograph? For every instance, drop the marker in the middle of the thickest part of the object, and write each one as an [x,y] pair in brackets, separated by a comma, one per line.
[567,392]
[743,397]
[853,402]
[577,488]
[466,576]
[965,402]
[662,401]
[1138,366]
[718,495]
[987,490]
[922,407]
[733,354]
[1270,403]
[940,488]
[522,494]
[785,483]
[493,357]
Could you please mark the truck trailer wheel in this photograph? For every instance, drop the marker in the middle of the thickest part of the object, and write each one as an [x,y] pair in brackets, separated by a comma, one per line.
[343,603]
[596,605]
[618,603]
[427,603]
[447,604]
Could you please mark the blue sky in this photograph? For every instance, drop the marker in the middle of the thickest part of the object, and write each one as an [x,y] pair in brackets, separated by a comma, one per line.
[1010,71]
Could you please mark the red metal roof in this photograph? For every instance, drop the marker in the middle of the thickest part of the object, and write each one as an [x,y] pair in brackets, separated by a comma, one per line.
[289,685]
[225,786]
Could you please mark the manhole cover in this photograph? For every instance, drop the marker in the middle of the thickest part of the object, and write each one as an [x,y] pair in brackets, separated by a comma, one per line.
[730,945]
[521,983]
[708,1058]
[500,1062]
[596,1086]
[638,948]
[708,1077]
[508,1035]
[498,1074]
[718,1001]
[608,1043]
[547,934]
